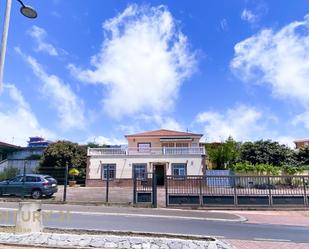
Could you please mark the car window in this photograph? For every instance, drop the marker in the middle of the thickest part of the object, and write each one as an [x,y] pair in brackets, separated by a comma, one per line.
[17,179]
[31,179]
[50,179]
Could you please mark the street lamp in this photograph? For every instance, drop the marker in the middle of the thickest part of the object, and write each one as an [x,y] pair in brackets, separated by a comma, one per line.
[27,11]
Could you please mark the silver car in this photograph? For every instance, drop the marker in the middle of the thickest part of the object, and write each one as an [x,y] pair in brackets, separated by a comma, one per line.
[35,185]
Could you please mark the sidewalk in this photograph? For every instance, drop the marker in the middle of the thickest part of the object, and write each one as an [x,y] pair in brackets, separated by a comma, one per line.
[292,218]
[247,244]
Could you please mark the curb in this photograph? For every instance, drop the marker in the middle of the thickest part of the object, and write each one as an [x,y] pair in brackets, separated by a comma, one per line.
[240,219]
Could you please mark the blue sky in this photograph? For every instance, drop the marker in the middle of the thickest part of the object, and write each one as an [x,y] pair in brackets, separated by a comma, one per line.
[98,70]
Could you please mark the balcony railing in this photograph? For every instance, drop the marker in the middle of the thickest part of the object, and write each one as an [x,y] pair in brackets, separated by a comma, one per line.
[147,151]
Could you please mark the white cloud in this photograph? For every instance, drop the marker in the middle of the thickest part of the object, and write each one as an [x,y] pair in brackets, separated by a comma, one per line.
[279,60]
[143,61]
[159,122]
[302,118]
[286,140]
[105,140]
[69,106]
[241,122]
[224,24]
[39,34]
[17,121]
[249,16]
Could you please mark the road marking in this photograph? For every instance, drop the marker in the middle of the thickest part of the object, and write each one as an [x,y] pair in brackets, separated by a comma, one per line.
[276,240]
[130,215]
[218,237]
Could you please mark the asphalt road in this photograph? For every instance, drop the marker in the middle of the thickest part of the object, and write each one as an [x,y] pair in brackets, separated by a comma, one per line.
[175,225]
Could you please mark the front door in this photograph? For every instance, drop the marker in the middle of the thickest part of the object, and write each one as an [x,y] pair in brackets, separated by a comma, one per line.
[160,174]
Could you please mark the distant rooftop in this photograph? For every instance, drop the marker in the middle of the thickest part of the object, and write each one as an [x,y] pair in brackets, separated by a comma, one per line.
[38,142]
[6,145]
[301,140]
[164,133]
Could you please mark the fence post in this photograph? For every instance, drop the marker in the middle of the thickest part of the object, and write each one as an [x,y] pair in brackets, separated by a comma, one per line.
[24,179]
[235,190]
[166,191]
[305,192]
[107,183]
[65,181]
[154,190]
[269,191]
[134,188]
[200,186]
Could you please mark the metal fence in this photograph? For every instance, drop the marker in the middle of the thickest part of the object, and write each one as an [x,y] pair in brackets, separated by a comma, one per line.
[237,190]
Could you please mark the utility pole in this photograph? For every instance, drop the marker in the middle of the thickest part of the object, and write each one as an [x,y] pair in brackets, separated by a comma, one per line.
[65,181]
[24,179]
[27,11]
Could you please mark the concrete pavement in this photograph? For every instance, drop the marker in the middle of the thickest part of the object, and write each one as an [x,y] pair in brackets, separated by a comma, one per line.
[219,224]
[133,212]
[263,229]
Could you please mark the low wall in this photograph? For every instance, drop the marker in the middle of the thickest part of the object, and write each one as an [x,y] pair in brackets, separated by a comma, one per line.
[112,183]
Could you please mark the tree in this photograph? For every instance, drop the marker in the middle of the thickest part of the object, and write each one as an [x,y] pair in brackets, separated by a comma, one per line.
[302,156]
[266,152]
[58,154]
[95,145]
[223,155]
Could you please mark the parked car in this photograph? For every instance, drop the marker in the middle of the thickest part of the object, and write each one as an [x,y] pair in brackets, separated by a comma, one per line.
[35,185]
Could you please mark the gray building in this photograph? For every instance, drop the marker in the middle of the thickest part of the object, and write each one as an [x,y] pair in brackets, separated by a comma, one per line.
[18,157]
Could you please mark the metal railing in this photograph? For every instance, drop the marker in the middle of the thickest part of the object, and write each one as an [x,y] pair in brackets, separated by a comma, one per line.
[147,151]
[238,190]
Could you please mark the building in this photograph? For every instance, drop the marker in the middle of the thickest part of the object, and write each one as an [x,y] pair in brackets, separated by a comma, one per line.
[164,152]
[17,157]
[38,142]
[6,149]
[301,143]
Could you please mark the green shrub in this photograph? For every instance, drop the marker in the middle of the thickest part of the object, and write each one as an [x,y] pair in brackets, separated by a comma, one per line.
[8,173]
[257,168]
[74,172]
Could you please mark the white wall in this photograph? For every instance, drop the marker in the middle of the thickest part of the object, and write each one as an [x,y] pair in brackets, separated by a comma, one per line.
[124,165]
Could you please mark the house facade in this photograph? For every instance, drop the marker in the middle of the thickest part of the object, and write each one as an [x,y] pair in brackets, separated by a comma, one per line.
[163,152]
[301,143]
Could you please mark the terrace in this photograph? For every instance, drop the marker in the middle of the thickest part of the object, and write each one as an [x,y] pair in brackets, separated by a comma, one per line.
[147,151]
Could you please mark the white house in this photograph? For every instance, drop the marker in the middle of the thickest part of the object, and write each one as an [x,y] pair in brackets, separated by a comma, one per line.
[164,152]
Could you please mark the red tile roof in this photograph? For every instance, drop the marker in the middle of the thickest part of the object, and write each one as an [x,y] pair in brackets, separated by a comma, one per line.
[301,140]
[164,133]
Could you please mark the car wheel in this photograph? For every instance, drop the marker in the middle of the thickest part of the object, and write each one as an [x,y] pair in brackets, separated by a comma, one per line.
[36,194]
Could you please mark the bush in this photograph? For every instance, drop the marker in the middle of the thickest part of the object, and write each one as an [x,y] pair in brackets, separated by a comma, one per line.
[257,168]
[8,173]
[73,172]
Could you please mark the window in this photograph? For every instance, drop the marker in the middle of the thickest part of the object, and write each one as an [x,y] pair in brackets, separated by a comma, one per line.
[144,147]
[179,170]
[139,171]
[33,179]
[183,145]
[17,179]
[168,144]
[112,171]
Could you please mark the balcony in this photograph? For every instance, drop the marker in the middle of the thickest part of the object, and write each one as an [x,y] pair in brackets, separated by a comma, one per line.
[146,151]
